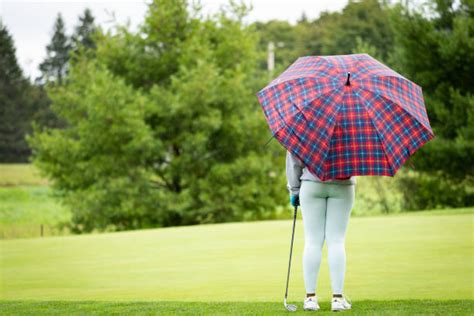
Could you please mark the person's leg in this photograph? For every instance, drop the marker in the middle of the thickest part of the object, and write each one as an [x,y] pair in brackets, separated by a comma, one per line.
[313,210]
[339,206]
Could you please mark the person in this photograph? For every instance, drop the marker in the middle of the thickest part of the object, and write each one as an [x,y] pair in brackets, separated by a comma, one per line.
[325,207]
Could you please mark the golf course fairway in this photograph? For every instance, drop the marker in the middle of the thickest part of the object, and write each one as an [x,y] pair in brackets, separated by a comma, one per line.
[413,262]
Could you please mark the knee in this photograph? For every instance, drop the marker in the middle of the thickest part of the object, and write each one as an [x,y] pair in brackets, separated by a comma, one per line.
[314,244]
[334,239]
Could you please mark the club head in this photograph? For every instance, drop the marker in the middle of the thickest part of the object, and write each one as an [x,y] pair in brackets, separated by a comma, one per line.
[290,307]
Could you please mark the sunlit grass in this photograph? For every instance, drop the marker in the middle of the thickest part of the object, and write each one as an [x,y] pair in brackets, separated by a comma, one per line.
[388,257]
[20,174]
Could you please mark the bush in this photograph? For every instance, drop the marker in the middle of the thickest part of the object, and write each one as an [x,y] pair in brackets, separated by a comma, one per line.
[422,190]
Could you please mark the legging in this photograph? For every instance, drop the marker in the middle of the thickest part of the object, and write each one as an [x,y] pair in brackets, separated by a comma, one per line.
[326,210]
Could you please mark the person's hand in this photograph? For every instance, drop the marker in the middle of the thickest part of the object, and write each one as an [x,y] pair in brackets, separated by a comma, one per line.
[295,200]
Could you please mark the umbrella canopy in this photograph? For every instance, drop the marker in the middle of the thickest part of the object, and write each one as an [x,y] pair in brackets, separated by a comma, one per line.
[346,115]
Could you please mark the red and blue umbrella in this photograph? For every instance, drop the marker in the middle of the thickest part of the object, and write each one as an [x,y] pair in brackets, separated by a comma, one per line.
[346,115]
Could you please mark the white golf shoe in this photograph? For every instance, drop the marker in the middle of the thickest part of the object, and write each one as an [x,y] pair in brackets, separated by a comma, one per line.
[311,303]
[340,304]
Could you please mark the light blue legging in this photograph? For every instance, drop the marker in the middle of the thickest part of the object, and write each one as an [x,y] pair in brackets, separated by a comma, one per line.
[326,210]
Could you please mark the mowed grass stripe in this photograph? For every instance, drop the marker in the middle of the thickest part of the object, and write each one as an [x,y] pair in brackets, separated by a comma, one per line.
[391,257]
[395,307]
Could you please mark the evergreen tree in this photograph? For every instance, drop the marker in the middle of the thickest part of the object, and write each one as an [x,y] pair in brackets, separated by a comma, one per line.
[438,55]
[54,67]
[11,71]
[434,48]
[15,106]
[303,18]
[83,32]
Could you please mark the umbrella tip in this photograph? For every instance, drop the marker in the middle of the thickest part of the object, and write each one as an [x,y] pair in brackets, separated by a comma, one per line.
[348,81]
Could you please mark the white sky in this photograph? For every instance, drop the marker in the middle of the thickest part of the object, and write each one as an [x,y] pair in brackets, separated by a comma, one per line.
[30,22]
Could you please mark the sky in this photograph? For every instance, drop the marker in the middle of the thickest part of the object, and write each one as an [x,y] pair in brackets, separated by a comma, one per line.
[30,22]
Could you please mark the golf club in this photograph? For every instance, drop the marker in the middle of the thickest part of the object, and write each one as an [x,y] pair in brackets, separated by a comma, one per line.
[290,307]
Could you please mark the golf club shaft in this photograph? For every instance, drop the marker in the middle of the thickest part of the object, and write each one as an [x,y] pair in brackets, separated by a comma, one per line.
[291,251]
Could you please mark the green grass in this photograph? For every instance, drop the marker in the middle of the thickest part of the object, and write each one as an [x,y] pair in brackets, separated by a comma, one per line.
[26,203]
[20,174]
[395,307]
[418,263]
[390,257]
[23,209]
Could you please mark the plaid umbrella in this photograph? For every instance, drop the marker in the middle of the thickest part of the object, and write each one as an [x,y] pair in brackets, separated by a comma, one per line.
[346,115]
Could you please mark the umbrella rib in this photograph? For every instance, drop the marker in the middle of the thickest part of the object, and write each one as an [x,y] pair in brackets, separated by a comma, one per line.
[268,141]
[364,101]
[284,122]
[366,75]
[303,77]
[334,87]
[301,109]
[401,107]
[430,133]
[395,75]
[331,132]
[329,142]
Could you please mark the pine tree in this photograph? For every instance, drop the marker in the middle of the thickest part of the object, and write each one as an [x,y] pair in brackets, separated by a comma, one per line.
[8,63]
[15,109]
[54,67]
[83,32]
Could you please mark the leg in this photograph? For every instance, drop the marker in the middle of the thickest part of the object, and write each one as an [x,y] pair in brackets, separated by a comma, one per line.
[313,210]
[340,202]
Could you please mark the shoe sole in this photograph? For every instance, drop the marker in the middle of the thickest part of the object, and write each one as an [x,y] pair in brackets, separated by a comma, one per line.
[340,309]
[311,309]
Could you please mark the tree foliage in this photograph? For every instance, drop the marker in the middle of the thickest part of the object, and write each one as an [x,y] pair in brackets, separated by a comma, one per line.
[17,103]
[84,30]
[163,126]
[360,25]
[435,47]
[54,67]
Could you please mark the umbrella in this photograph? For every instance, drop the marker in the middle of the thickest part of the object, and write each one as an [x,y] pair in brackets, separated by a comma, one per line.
[346,115]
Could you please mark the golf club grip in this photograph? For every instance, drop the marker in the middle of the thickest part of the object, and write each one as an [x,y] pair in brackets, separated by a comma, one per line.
[291,251]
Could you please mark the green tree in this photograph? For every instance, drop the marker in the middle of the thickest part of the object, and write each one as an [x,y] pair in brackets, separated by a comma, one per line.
[54,67]
[362,47]
[282,34]
[83,32]
[16,106]
[360,25]
[339,32]
[163,126]
[434,47]
[438,54]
